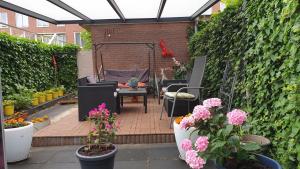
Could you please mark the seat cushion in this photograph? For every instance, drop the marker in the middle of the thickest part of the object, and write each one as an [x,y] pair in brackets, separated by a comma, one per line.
[180,95]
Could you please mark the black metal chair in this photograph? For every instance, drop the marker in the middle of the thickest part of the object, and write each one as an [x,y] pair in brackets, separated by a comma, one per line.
[186,92]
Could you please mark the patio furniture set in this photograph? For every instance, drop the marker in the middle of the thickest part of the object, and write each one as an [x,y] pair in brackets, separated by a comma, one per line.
[179,96]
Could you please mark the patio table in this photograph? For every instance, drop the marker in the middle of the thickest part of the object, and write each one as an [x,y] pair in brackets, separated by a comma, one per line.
[132,92]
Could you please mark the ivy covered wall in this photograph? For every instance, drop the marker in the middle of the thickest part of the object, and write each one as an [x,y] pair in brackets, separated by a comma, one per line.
[29,63]
[261,38]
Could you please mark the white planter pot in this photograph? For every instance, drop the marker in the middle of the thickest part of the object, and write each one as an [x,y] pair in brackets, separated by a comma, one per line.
[18,142]
[181,134]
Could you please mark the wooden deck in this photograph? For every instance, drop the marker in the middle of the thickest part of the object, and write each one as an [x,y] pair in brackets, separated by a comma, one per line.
[136,127]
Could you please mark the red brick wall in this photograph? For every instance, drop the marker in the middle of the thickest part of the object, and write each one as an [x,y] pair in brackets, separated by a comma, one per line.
[131,56]
[67,29]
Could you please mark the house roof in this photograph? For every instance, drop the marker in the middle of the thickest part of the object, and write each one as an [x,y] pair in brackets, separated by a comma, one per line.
[110,11]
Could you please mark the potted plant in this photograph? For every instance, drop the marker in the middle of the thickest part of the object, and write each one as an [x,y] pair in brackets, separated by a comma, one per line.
[220,139]
[41,96]
[8,106]
[61,91]
[18,138]
[133,82]
[182,134]
[49,95]
[55,93]
[99,152]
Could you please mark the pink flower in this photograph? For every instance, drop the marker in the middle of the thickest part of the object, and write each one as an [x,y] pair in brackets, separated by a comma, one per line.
[201,143]
[193,160]
[186,145]
[101,106]
[187,122]
[108,126]
[201,113]
[236,117]
[212,102]
[93,113]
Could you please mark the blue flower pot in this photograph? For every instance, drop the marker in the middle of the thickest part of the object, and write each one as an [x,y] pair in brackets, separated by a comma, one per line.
[263,160]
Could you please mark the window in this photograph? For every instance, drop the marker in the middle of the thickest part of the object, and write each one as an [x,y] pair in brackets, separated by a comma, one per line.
[40,23]
[60,25]
[3,19]
[59,39]
[21,20]
[77,39]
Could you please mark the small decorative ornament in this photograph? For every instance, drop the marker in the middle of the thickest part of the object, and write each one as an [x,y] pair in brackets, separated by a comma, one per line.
[133,83]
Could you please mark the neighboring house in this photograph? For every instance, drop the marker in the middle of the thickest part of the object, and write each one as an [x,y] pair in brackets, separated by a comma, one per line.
[24,26]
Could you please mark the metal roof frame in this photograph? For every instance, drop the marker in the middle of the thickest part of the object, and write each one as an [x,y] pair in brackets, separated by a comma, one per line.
[113,4]
[69,9]
[204,8]
[18,9]
[161,8]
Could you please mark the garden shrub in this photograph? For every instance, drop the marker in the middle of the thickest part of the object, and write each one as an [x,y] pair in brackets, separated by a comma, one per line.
[261,39]
[29,63]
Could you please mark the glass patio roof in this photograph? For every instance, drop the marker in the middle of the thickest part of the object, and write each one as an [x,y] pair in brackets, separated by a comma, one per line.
[110,11]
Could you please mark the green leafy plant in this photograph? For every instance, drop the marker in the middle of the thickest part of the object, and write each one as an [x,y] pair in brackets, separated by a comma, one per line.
[8,102]
[28,63]
[261,41]
[86,36]
[22,97]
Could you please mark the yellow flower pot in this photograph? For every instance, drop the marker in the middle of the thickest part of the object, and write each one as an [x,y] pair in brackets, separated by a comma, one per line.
[42,99]
[9,110]
[55,95]
[60,93]
[49,97]
[35,101]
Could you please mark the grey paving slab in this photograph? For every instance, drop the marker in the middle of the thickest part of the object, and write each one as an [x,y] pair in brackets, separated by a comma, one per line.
[130,165]
[64,157]
[131,155]
[169,153]
[168,164]
[25,166]
[155,156]
[61,166]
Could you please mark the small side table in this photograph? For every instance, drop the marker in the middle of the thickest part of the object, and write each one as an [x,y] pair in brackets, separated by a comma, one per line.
[132,92]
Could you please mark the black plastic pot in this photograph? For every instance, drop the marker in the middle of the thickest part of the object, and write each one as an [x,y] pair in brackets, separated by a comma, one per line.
[105,161]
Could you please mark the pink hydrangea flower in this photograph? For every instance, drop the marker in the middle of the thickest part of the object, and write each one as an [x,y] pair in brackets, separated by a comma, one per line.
[201,113]
[186,145]
[201,143]
[187,122]
[195,162]
[236,117]
[212,102]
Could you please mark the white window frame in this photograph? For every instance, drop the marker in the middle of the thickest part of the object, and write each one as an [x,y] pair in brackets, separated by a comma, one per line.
[81,45]
[46,25]
[60,25]
[6,21]
[23,17]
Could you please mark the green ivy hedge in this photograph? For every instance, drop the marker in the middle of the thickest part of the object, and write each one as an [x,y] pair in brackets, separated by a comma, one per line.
[29,63]
[263,38]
